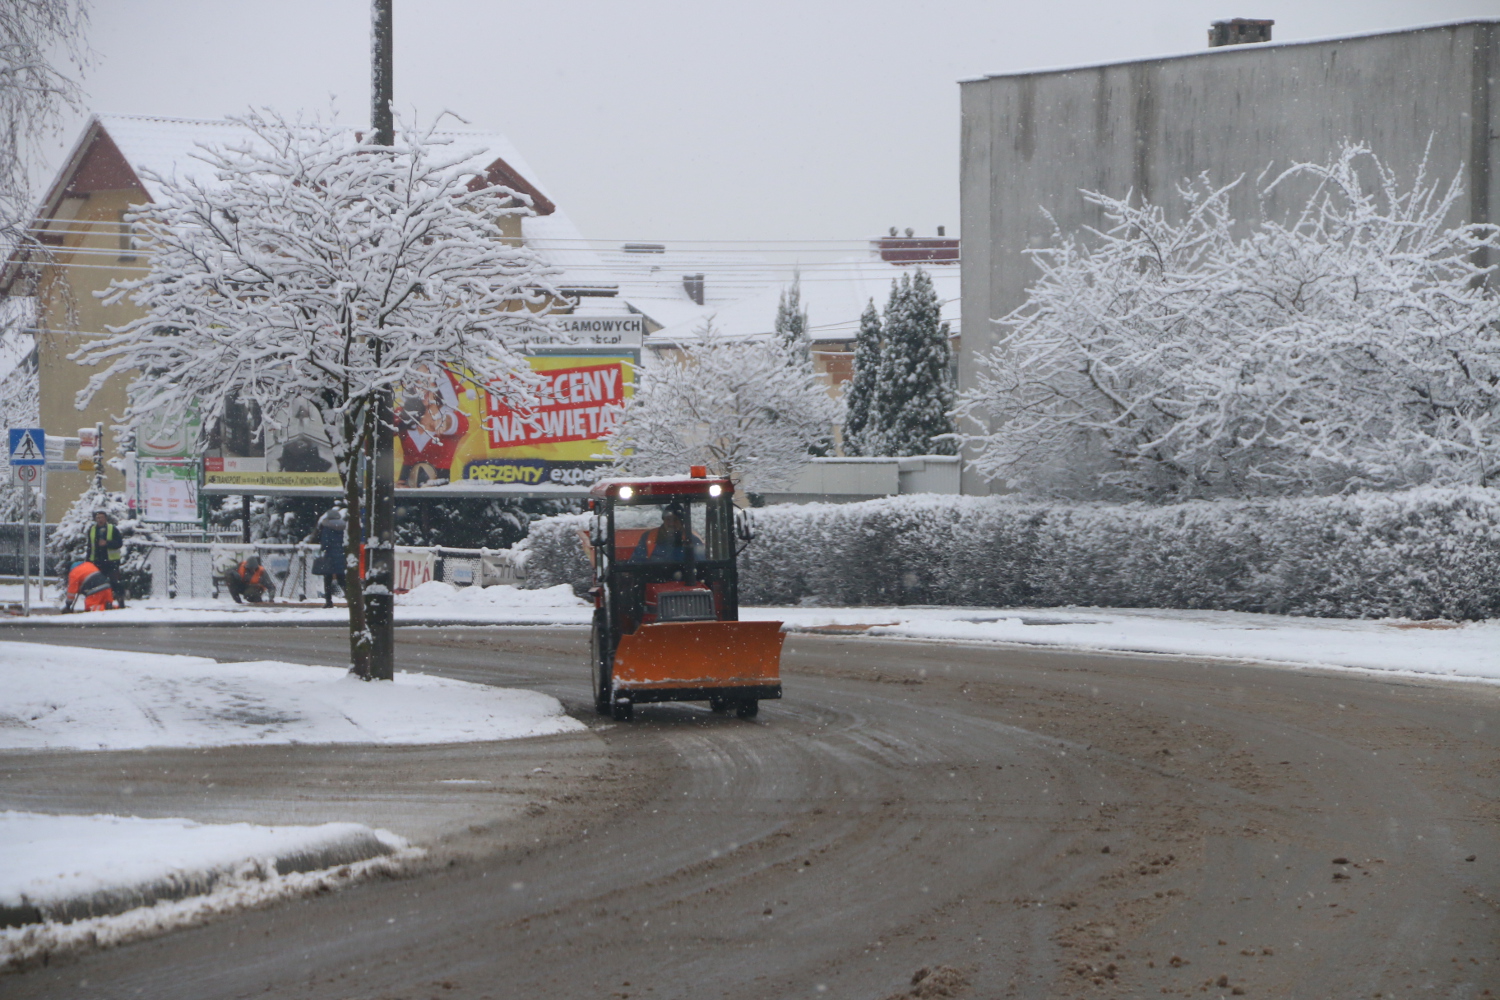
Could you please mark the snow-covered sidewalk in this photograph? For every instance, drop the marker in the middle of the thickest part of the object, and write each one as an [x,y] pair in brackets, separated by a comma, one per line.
[1468,651]
[65,697]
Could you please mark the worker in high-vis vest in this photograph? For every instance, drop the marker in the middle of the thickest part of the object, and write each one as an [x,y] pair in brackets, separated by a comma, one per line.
[87,581]
[105,544]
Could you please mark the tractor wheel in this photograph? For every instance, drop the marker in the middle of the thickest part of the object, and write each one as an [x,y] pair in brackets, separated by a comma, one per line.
[622,710]
[717,704]
[747,709]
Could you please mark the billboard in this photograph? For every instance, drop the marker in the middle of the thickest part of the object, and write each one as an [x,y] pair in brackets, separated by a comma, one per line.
[449,430]
[245,450]
[452,430]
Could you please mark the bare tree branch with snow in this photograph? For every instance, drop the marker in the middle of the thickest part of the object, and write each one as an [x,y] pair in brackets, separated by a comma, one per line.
[1352,344]
[740,407]
[316,267]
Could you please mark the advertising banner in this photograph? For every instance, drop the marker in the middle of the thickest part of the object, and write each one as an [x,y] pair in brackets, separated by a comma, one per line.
[168,491]
[452,430]
[413,568]
[295,450]
[449,430]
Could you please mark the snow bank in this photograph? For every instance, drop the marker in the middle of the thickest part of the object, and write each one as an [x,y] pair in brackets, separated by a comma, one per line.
[1422,553]
[436,594]
[61,697]
[74,883]
[431,602]
[47,860]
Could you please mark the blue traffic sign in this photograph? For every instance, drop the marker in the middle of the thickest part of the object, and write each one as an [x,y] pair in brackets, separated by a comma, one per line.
[28,446]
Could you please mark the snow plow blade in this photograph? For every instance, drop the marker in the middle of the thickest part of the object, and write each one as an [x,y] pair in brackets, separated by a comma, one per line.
[687,657]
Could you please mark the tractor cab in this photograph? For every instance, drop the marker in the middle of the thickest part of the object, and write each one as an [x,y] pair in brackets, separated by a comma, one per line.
[666,598]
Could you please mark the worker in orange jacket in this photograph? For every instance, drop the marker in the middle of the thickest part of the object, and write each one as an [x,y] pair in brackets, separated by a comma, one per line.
[250,581]
[86,579]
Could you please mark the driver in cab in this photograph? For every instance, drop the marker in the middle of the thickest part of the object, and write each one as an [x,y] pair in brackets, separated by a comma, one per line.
[667,543]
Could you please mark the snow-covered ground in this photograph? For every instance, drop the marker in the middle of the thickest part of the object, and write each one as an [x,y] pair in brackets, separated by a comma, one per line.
[431,602]
[62,867]
[1468,650]
[1439,648]
[63,697]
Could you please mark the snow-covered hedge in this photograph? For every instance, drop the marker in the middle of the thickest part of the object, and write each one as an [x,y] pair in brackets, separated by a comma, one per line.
[1423,553]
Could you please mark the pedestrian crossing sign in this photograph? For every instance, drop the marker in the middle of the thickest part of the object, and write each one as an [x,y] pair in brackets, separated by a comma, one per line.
[28,446]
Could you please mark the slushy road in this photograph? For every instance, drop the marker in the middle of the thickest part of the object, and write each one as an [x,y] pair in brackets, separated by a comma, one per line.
[1044,822]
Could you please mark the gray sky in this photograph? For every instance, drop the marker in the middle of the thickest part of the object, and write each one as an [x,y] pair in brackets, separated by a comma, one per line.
[658,119]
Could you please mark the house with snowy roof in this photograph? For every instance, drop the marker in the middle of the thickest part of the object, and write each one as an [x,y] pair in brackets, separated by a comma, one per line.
[82,223]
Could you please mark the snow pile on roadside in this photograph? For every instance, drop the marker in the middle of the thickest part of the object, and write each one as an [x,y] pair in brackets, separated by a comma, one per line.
[46,860]
[1469,651]
[63,697]
[436,594]
[60,867]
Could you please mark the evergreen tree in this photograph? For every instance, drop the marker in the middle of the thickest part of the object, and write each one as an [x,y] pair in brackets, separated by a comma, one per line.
[914,393]
[791,323]
[861,400]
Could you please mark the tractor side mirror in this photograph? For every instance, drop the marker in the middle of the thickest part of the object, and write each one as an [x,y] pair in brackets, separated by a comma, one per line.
[598,532]
[744,528]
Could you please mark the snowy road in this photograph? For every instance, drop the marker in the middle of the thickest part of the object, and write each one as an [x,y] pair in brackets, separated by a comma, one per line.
[908,805]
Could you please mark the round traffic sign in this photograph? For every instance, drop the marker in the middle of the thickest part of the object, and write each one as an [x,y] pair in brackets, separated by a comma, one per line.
[28,473]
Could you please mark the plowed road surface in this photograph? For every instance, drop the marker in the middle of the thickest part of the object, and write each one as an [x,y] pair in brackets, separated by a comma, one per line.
[1032,823]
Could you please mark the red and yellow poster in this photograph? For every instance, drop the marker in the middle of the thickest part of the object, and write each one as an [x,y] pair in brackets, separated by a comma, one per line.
[451,429]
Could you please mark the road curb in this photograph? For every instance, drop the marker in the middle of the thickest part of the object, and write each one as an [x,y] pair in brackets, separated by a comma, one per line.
[361,846]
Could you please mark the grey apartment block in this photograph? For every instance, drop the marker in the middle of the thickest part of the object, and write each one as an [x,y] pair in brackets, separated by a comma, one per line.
[1032,141]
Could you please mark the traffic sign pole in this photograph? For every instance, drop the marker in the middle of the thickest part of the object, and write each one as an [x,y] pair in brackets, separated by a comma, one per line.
[26,551]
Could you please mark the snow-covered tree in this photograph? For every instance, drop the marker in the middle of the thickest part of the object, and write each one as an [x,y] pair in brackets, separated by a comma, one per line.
[36,36]
[791,323]
[860,398]
[1352,343]
[20,406]
[913,392]
[740,407]
[314,266]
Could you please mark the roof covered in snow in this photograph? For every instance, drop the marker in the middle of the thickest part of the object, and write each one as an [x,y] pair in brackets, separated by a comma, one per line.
[155,146]
[834,294]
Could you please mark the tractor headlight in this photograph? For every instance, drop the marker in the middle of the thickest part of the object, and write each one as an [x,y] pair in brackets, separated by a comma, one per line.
[715,489]
[626,493]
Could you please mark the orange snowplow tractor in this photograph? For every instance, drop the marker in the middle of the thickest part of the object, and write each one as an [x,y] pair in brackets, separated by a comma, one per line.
[700,655]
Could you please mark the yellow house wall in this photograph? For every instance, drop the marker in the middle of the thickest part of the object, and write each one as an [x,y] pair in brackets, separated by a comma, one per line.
[71,316]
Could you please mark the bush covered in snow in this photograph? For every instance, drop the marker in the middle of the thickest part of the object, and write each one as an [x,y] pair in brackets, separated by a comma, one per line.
[1352,344]
[1423,553]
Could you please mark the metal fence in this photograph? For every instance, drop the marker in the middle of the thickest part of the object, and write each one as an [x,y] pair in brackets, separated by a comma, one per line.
[11,549]
[182,570]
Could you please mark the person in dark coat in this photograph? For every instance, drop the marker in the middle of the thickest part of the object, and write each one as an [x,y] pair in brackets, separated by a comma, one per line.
[329,533]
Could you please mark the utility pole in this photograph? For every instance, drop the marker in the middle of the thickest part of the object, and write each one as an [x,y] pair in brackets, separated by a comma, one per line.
[380,559]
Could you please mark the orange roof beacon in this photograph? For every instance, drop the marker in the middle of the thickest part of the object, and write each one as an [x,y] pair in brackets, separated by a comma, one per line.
[666,598]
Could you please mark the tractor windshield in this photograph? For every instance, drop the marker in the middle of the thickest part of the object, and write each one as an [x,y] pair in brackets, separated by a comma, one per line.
[672,530]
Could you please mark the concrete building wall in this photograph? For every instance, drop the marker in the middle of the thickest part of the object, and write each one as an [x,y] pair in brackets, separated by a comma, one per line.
[1032,141]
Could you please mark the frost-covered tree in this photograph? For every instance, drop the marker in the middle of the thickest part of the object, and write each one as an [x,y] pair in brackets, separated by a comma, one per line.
[913,393]
[739,407]
[1351,343]
[20,406]
[42,49]
[860,398]
[791,323]
[315,266]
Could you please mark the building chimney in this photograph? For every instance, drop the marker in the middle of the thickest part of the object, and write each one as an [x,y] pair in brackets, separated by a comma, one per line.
[1239,31]
[940,231]
[693,285]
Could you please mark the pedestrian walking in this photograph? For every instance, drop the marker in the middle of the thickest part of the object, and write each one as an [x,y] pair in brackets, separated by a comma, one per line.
[329,564]
[105,543]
